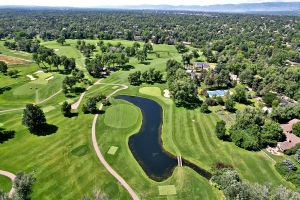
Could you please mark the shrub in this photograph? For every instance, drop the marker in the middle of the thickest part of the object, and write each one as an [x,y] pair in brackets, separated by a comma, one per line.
[297,156]
[269,98]
[204,108]
[293,150]
[221,130]
[210,102]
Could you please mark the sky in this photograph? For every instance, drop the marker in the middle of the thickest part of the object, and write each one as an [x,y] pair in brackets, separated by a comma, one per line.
[99,3]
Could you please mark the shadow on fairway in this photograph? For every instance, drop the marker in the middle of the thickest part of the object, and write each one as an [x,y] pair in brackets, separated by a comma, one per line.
[71,115]
[6,135]
[126,67]
[47,129]
[4,89]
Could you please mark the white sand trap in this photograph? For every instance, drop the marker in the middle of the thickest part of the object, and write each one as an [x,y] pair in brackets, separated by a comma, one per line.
[167,93]
[31,77]
[38,72]
[56,49]
[50,78]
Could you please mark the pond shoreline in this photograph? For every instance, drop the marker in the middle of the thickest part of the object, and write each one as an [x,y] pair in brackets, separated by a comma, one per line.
[147,146]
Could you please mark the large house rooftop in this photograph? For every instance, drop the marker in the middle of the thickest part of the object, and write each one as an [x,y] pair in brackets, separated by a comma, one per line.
[202,65]
[291,139]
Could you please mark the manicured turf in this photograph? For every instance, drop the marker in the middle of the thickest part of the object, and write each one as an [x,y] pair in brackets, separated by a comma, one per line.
[121,116]
[5,184]
[152,91]
[113,150]
[65,164]
[167,190]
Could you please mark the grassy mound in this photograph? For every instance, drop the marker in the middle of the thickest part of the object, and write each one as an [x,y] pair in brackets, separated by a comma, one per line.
[117,116]
[152,91]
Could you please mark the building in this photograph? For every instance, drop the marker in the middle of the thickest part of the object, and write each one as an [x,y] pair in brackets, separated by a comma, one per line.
[201,65]
[291,139]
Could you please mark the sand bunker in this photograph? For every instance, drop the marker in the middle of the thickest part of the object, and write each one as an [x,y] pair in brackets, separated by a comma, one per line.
[31,77]
[167,93]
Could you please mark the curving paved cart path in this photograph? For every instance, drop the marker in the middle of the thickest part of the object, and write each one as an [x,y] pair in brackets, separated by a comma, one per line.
[11,177]
[98,152]
[75,105]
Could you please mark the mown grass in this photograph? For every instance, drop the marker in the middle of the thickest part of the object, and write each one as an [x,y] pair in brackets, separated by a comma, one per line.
[5,183]
[66,166]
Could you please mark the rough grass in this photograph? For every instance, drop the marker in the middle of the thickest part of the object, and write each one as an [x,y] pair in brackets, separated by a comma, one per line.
[121,116]
[152,91]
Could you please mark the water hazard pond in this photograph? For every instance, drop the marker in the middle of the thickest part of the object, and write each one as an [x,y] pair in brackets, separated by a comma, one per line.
[146,145]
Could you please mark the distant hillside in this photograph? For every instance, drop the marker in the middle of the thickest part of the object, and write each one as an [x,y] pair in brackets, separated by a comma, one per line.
[261,8]
[269,7]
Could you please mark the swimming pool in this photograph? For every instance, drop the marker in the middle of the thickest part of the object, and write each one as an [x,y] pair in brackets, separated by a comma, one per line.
[217,93]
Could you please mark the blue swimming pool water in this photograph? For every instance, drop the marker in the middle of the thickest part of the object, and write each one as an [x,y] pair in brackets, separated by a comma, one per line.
[217,93]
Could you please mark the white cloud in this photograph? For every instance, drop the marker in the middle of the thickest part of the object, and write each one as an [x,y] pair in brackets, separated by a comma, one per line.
[93,3]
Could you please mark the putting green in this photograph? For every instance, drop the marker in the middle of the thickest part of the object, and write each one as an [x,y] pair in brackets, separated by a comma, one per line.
[112,150]
[167,190]
[152,91]
[118,116]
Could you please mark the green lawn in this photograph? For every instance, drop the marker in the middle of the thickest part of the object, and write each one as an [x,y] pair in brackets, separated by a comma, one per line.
[152,91]
[65,164]
[5,183]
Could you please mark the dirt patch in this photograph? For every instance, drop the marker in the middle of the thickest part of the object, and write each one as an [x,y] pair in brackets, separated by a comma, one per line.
[13,60]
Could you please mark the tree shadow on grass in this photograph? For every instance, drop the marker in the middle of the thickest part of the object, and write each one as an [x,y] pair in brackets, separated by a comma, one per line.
[4,89]
[126,67]
[71,115]
[47,129]
[6,135]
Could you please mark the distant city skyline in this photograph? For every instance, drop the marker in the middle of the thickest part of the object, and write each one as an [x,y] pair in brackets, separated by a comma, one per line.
[94,3]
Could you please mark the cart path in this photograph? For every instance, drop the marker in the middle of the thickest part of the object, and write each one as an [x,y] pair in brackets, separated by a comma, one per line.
[11,177]
[100,155]
[77,103]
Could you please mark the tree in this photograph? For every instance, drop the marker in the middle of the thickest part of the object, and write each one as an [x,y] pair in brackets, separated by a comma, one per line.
[148,47]
[33,117]
[269,98]
[91,105]
[195,53]
[240,94]
[69,82]
[271,133]
[66,109]
[296,129]
[221,130]
[3,67]
[186,58]
[23,186]
[61,40]
[204,108]
[181,48]
[229,105]
[141,56]
[135,78]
